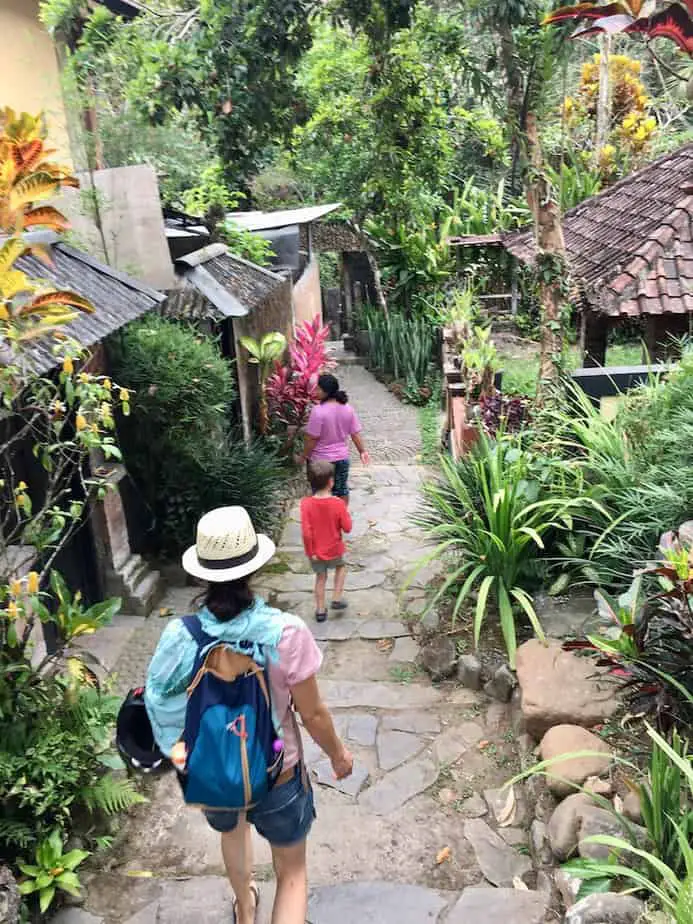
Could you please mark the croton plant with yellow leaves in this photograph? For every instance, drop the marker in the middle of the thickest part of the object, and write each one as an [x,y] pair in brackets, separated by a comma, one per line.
[64,420]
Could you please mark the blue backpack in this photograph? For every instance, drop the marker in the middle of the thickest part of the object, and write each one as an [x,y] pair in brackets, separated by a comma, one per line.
[234,754]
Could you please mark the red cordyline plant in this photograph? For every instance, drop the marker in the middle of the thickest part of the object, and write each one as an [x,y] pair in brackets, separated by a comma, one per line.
[291,389]
[647,17]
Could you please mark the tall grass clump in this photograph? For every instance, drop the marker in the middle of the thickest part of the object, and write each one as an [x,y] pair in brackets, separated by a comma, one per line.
[401,348]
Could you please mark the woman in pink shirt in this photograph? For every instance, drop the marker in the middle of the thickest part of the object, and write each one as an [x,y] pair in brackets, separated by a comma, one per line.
[329,427]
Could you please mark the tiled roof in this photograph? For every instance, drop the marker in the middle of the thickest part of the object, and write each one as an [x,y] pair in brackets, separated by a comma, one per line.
[630,248]
[234,286]
[117,298]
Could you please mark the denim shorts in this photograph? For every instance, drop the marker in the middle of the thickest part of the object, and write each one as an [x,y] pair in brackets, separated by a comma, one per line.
[284,817]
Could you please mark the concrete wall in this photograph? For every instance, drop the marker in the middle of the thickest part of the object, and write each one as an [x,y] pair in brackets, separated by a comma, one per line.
[275,313]
[307,296]
[29,73]
[133,238]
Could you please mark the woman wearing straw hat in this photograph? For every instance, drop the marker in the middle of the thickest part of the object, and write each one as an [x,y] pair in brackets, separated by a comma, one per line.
[226,553]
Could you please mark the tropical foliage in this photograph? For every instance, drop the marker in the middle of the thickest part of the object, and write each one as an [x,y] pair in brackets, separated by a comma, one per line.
[489,516]
[179,443]
[57,760]
[292,388]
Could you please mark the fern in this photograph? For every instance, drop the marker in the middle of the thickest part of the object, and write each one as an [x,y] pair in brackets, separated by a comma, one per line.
[15,833]
[111,794]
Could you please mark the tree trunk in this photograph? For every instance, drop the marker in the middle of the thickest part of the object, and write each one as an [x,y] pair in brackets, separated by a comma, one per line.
[604,98]
[550,260]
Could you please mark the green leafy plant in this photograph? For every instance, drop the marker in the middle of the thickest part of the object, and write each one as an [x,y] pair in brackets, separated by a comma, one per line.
[52,870]
[179,445]
[401,348]
[489,520]
[479,360]
[621,615]
[648,870]
[264,353]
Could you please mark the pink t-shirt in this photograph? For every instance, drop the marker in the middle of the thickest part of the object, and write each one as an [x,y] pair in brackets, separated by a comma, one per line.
[332,424]
[299,659]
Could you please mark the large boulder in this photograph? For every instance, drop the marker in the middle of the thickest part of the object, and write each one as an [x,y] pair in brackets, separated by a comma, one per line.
[439,658]
[567,775]
[9,897]
[559,688]
[607,908]
[578,818]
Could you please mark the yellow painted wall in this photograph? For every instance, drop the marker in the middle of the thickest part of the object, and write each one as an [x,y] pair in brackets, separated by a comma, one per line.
[29,73]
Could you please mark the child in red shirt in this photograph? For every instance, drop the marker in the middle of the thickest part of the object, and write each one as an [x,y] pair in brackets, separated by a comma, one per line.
[323,520]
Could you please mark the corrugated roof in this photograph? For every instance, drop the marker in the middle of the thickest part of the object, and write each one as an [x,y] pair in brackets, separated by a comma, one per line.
[234,286]
[631,247]
[117,298]
[264,221]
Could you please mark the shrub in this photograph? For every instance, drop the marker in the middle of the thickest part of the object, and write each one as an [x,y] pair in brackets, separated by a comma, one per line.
[292,388]
[489,515]
[178,444]
[640,466]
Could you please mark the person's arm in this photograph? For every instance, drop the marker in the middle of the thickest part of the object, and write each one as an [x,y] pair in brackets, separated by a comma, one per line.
[345,519]
[362,451]
[319,725]
[309,444]
[307,533]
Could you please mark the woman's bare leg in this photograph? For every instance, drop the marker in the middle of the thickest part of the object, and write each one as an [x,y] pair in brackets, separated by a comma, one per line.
[237,850]
[291,900]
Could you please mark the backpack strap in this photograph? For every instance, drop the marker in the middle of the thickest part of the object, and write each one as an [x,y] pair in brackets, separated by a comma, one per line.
[200,637]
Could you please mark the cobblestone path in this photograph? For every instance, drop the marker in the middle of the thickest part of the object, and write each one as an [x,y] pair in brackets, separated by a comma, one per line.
[404,839]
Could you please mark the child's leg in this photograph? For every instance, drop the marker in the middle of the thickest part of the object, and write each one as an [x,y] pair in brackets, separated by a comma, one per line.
[320,585]
[339,578]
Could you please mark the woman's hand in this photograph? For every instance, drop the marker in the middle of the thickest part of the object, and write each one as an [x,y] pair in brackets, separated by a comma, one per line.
[365,457]
[343,764]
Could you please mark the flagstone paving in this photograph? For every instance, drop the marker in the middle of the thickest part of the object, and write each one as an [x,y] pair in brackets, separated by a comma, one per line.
[424,754]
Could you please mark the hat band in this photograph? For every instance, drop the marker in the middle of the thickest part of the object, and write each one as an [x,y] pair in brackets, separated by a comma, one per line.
[219,564]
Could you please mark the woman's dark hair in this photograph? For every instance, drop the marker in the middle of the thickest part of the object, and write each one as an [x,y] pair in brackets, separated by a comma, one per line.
[330,385]
[227,600]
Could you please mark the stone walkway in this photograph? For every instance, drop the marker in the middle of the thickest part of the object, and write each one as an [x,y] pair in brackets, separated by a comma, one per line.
[412,836]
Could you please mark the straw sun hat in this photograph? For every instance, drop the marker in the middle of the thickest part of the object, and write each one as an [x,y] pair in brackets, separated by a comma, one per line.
[227,546]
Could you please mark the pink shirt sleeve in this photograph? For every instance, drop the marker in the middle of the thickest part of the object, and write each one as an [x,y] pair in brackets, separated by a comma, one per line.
[355,423]
[314,425]
[299,655]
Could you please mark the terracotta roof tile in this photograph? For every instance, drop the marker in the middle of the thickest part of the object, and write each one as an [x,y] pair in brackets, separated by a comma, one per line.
[621,241]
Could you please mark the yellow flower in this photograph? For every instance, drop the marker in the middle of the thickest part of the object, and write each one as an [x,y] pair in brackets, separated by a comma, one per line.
[124,394]
[84,377]
[68,366]
[650,124]
[12,610]
[21,486]
[107,384]
[608,151]
[15,588]
[81,422]
[32,583]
